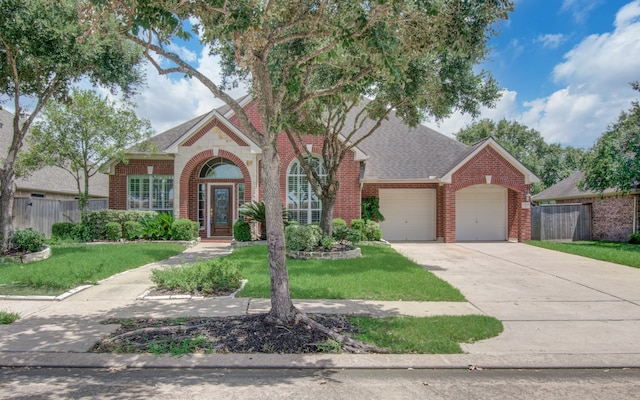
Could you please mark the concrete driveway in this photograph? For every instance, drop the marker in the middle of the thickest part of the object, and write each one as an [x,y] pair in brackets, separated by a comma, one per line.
[549,302]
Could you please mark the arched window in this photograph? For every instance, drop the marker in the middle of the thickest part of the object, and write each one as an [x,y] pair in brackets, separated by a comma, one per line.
[302,203]
[220,168]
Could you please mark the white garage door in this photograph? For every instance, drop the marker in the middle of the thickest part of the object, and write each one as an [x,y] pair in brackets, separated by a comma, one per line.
[410,214]
[481,213]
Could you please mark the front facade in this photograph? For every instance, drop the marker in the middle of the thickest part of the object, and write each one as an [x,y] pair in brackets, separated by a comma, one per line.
[430,187]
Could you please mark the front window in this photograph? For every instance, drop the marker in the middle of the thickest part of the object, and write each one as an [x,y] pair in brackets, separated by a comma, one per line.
[220,168]
[302,203]
[150,192]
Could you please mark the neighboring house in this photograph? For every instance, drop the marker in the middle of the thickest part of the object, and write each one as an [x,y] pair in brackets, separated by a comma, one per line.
[614,216]
[48,195]
[430,187]
[50,182]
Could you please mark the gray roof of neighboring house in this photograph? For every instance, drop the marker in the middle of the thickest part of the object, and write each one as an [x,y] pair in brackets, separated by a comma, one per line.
[48,179]
[568,189]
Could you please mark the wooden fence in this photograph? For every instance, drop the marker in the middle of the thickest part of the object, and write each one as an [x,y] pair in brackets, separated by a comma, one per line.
[561,222]
[41,214]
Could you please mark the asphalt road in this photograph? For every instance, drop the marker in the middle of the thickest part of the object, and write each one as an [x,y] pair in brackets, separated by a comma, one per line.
[319,384]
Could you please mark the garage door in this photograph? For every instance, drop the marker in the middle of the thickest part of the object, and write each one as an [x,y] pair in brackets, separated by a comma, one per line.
[410,214]
[481,213]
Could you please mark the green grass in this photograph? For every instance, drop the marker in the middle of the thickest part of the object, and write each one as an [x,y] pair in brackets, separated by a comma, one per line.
[381,274]
[8,317]
[73,265]
[615,252]
[426,335]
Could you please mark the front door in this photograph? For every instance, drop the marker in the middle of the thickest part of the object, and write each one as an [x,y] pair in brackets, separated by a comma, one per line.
[221,209]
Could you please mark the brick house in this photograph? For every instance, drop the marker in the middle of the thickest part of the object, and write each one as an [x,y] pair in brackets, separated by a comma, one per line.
[430,187]
[614,216]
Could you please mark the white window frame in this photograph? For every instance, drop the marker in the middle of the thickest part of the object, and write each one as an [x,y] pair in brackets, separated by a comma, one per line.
[149,197]
[298,185]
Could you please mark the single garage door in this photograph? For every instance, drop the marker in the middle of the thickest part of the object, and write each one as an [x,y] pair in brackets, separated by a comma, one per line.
[481,213]
[409,214]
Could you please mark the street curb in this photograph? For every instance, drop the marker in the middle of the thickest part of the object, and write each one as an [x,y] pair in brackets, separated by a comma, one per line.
[319,361]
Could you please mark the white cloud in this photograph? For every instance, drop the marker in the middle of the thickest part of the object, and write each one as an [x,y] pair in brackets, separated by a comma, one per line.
[506,107]
[170,100]
[551,41]
[579,9]
[593,80]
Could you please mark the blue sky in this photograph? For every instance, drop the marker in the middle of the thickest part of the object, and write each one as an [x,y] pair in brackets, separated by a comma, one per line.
[564,66]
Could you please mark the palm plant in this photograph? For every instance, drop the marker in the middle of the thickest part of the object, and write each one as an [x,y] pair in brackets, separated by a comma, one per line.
[255,212]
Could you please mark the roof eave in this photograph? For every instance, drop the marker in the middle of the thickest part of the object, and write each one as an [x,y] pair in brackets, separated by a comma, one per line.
[173,148]
[529,177]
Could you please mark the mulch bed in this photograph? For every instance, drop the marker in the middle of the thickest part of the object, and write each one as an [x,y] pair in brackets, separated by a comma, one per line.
[237,334]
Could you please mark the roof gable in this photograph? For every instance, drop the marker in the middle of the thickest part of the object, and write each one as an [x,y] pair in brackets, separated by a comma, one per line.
[204,125]
[477,148]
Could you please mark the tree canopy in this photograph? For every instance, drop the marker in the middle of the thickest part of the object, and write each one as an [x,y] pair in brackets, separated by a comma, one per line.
[550,162]
[47,46]
[81,135]
[613,162]
[292,53]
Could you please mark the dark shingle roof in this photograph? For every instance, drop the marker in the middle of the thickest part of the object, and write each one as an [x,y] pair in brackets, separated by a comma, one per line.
[397,151]
[567,189]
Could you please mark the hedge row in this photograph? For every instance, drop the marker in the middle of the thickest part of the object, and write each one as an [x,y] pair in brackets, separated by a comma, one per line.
[130,225]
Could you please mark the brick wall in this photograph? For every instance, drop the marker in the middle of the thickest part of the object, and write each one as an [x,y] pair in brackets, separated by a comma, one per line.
[486,162]
[347,204]
[118,181]
[611,216]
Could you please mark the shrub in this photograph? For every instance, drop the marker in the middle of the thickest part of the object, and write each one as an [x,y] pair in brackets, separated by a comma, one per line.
[345,234]
[96,221]
[210,276]
[62,230]
[303,237]
[370,208]
[327,242]
[255,212]
[373,231]
[132,230]
[242,231]
[634,238]
[28,240]
[159,227]
[369,230]
[113,231]
[184,229]
[82,233]
[359,225]
[339,222]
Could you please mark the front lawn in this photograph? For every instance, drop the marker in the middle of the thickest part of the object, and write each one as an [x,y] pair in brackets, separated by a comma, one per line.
[73,265]
[381,274]
[615,252]
[441,334]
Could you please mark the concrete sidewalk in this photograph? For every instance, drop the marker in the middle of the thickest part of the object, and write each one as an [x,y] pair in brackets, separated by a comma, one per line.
[58,333]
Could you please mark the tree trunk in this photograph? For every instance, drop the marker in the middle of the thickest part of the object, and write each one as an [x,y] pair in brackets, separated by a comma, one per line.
[282,309]
[326,215]
[7,192]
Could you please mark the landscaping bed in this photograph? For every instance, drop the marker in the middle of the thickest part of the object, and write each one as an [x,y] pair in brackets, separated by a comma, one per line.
[252,334]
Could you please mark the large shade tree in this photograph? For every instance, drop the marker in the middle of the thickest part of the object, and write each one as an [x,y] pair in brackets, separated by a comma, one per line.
[613,162]
[292,53]
[45,48]
[550,162]
[81,134]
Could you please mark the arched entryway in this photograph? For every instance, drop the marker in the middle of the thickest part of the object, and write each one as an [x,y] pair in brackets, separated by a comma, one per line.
[213,187]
